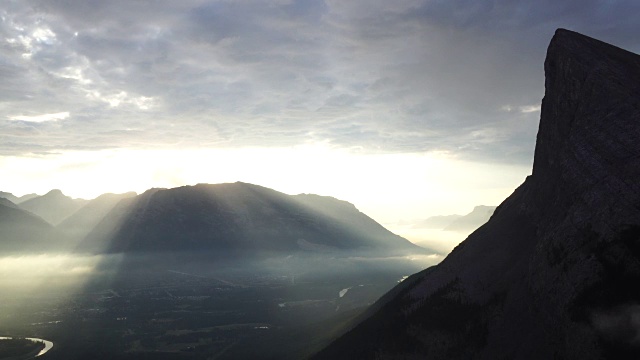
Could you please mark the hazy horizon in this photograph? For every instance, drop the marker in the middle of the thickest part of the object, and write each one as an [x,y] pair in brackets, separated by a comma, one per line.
[435,239]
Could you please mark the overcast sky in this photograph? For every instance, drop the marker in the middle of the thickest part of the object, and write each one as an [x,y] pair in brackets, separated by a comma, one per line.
[88,85]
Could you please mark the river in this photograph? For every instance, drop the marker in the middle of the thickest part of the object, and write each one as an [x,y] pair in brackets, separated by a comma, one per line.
[47,344]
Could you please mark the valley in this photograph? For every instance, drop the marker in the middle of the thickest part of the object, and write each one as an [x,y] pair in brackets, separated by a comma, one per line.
[178,314]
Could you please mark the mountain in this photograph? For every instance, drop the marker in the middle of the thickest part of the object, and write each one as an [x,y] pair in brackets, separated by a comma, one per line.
[26,197]
[239,218]
[53,206]
[8,203]
[14,199]
[9,196]
[438,222]
[555,271]
[472,220]
[21,231]
[76,227]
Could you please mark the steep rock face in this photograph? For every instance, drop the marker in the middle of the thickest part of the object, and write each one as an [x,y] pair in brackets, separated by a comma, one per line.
[554,273]
[238,218]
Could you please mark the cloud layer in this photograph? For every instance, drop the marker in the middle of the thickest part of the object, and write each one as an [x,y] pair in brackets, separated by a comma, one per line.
[457,76]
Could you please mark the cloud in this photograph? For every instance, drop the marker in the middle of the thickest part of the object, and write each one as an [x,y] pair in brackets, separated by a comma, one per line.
[530,108]
[405,76]
[42,117]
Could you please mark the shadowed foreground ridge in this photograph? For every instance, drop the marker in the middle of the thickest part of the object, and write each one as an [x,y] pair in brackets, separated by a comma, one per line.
[555,272]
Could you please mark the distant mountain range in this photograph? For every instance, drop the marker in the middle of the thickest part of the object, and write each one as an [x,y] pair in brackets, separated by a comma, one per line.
[471,221]
[30,225]
[54,206]
[554,273]
[77,226]
[15,199]
[224,219]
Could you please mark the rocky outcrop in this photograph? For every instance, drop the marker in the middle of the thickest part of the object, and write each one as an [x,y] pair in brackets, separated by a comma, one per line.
[554,273]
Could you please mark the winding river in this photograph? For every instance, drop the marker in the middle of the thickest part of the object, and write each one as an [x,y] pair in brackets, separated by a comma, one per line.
[47,344]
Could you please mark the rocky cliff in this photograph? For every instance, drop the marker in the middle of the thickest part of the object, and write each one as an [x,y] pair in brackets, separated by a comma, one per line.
[555,272]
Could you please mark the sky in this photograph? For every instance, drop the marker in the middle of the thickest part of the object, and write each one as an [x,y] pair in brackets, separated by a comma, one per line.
[407,108]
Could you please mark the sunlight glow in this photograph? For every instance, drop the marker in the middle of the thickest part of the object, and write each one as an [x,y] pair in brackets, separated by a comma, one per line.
[388,187]
[51,271]
[41,118]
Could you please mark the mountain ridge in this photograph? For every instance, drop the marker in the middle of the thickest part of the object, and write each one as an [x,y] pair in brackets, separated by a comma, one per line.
[471,221]
[237,217]
[53,206]
[17,199]
[75,227]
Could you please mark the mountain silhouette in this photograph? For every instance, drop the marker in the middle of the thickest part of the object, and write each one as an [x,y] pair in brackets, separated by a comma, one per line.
[15,199]
[9,196]
[53,206]
[239,218]
[438,222]
[76,227]
[21,231]
[554,273]
[471,221]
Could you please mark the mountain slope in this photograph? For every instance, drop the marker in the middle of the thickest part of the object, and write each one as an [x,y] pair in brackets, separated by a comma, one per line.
[5,201]
[554,272]
[21,231]
[16,200]
[9,196]
[76,227]
[238,218]
[53,206]
[26,197]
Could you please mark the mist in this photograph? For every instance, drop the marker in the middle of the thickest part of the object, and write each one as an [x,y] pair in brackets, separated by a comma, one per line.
[73,299]
[235,269]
